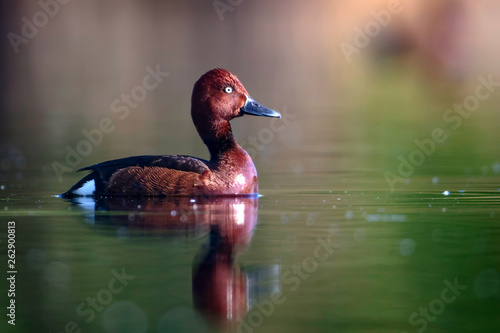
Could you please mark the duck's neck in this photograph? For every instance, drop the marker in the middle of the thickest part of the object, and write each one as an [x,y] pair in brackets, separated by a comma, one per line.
[219,139]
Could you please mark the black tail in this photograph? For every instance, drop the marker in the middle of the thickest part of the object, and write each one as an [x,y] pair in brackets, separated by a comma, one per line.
[69,194]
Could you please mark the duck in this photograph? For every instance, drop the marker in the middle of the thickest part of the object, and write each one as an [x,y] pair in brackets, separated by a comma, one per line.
[218,97]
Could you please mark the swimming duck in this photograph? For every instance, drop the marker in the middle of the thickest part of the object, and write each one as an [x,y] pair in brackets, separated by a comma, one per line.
[218,97]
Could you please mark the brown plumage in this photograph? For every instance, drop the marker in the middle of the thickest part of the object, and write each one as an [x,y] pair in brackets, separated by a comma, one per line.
[154,181]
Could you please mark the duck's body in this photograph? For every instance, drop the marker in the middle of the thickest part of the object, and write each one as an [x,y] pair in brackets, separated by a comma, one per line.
[170,175]
[218,97]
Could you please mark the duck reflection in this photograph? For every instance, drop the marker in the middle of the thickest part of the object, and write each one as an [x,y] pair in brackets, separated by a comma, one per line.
[222,291]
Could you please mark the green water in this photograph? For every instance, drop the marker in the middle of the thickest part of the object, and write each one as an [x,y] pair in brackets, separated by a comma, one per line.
[327,248]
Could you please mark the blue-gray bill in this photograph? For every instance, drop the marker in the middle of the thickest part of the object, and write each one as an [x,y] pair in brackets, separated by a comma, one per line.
[256,109]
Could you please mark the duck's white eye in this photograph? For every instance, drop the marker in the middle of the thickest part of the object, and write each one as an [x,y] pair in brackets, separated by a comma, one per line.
[228,90]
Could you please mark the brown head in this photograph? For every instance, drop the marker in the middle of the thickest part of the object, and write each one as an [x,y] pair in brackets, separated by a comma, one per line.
[218,96]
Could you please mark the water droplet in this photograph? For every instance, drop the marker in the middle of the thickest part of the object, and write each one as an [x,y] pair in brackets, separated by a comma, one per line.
[123,233]
[310,219]
[407,247]
[181,319]
[437,235]
[359,235]
[487,283]
[446,193]
[36,259]
[333,228]
[124,316]
[289,243]
[57,274]
[496,168]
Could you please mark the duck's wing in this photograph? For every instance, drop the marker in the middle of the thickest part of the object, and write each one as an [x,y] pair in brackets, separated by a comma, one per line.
[174,162]
[97,181]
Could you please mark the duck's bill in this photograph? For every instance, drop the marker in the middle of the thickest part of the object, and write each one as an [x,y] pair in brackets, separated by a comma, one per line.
[255,109]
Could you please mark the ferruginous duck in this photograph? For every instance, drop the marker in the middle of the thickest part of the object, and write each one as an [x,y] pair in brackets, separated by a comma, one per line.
[218,97]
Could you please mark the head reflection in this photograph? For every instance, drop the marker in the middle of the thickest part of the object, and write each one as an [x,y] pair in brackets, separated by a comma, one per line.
[219,286]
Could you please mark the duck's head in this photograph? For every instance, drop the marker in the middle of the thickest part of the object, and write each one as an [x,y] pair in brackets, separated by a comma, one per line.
[218,96]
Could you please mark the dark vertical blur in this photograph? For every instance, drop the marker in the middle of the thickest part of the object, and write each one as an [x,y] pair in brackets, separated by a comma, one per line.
[3,65]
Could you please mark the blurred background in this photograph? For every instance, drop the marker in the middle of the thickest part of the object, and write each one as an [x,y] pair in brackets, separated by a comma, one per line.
[357,82]
[63,78]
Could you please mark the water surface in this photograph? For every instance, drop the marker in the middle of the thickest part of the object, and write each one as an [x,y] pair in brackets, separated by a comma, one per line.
[328,247]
